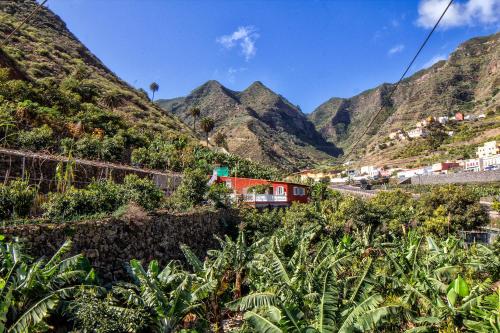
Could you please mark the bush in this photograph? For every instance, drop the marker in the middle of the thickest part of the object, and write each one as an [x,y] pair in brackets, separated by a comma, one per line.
[451,208]
[496,206]
[103,196]
[16,199]
[218,195]
[395,209]
[36,139]
[142,191]
[98,197]
[191,191]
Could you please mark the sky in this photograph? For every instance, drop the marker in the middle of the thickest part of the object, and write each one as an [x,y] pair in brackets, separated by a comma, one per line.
[307,51]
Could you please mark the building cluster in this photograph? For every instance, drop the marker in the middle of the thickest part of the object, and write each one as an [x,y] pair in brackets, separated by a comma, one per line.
[488,158]
[421,128]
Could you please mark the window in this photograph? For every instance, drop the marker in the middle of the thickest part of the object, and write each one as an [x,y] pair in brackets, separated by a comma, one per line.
[280,190]
[299,190]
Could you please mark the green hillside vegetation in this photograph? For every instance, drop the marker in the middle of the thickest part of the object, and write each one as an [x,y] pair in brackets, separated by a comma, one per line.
[57,97]
[338,264]
[467,82]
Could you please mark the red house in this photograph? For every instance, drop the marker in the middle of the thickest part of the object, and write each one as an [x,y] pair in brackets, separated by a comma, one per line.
[459,116]
[271,193]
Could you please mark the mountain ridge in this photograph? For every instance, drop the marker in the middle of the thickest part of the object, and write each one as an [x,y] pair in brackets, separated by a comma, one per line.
[464,82]
[259,123]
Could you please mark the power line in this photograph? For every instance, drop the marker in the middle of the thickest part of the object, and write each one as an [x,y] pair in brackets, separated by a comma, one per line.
[6,39]
[397,84]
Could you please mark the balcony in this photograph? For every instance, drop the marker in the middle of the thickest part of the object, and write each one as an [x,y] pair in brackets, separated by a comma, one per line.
[260,198]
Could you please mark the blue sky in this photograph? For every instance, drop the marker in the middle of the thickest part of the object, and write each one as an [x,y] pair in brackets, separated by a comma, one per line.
[308,51]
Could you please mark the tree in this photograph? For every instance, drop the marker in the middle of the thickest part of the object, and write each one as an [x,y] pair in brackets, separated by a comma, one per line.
[154,88]
[195,113]
[207,125]
[220,139]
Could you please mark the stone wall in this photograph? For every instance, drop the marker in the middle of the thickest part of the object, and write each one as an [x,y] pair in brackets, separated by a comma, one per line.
[463,177]
[110,243]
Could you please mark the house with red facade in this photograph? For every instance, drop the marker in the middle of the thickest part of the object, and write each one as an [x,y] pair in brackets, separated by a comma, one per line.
[265,193]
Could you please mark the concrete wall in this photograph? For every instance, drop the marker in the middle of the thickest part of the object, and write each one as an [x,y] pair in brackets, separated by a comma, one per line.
[463,177]
[110,243]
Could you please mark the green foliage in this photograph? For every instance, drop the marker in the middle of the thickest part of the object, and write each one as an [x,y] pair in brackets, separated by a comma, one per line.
[191,192]
[32,291]
[102,197]
[16,199]
[142,191]
[451,208]
[260,224]
[36,139]
[218,195]
[495,205]
[394,209]
[92,313]
[98,197]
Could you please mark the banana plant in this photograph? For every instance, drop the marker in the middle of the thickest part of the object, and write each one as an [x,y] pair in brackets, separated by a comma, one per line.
[30,292]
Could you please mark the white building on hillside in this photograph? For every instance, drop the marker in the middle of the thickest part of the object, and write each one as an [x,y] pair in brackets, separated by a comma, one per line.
[418,132]
[443,120]
[370,171]
[490,148]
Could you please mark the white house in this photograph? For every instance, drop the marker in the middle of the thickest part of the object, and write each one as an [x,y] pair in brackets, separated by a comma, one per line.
[443,120]
[473,164]
[490,148]
[370,171]
[414,172]
[418,132]
[491,161]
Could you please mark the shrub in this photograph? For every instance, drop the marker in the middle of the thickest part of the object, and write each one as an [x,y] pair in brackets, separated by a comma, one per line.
[142,191]
[98,197]
[457,207]
[36,139]
[218,195]
[260,224]
[16,199]
[191,191]
[395,209]
[496,205]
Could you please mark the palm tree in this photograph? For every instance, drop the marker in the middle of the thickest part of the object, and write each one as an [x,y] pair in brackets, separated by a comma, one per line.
[207,125]
[220,139]
[154,88]
[195,113]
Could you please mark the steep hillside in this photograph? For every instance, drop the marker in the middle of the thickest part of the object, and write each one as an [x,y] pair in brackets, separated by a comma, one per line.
[468,81]
[57,97]
[259,124]
[44,49]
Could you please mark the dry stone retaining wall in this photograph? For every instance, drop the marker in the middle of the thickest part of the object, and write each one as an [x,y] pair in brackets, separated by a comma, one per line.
[109,244]
[463,177]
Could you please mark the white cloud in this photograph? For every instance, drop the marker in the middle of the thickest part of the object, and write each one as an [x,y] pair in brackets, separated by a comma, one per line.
[396,49]
[433,60]
[468,13]
[232,72]
[244,37]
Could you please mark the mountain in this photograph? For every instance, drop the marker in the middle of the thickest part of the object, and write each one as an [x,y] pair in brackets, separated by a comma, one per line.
[45,51]
[259,124]
[468,82]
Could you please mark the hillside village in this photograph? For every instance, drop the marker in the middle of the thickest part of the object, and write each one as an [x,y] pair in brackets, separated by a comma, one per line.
[229,211]
[487,156]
